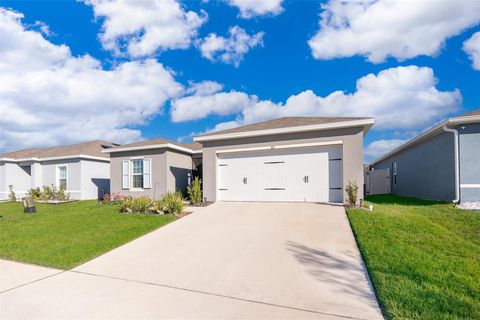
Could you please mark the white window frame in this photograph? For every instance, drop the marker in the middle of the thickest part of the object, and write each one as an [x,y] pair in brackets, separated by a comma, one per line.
[132,188]
[147,176]
[126,186]
[57,176]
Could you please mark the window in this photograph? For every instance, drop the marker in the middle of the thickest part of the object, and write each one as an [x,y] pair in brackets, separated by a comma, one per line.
[394,171]
[137,174]
[62,177]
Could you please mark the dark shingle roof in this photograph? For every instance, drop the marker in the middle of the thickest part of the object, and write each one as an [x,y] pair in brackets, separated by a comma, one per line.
[193,145]
[91,148]
[149,143]
[145,143]
[471,113]
[285,123]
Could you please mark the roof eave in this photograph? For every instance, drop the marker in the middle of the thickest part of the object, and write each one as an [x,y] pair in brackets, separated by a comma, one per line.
[66,157]
[427,134]
[149,147]
[365,123]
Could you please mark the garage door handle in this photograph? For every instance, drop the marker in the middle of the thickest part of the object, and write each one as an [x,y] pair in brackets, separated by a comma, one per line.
[244,180]
[305,179]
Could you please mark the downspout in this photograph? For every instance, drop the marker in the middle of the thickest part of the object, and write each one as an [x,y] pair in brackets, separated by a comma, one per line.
[457,162]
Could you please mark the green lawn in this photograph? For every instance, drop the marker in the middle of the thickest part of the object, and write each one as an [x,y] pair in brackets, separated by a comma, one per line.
[423,257]
[66,235]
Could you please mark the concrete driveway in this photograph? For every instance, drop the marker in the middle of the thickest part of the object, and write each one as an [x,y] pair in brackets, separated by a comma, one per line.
[228,260]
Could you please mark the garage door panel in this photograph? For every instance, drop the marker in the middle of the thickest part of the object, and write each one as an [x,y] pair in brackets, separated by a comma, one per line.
[281,175]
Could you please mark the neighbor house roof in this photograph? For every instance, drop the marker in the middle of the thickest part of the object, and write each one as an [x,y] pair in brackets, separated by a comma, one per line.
[286,125]
[195,146]
[469,117]
[91,149]
[157,143]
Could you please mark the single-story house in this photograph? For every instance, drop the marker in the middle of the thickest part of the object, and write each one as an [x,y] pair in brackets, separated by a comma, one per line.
[288,159]
[153,167]
[81,168]
[440,164]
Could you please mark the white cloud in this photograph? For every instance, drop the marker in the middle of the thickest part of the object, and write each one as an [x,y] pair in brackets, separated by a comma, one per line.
[145,27]
[380,147]
[204,88]
[232,49]
[397,28]
[199,106]
[253,8]
[403,98]
[472,48]
[50,97]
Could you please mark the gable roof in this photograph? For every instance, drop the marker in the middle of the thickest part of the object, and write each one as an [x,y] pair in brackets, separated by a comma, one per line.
[195,146]
[90,148]
[156,143]
[287,124]
[469,117]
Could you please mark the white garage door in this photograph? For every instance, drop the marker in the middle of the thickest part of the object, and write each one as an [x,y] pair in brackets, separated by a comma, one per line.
[310,174]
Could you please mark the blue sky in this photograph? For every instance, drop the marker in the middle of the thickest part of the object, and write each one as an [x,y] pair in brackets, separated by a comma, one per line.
[439,79]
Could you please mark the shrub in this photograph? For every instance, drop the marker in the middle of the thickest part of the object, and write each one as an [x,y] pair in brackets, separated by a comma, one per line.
[137,205]
[60,194]
[106,197]
[12,196]
[47,193]
[352,190]
[195,191]
[35,193]
[172,202]
[141,204]
[126,204]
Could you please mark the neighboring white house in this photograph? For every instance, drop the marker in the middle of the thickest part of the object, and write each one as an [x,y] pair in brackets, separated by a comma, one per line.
[82,168]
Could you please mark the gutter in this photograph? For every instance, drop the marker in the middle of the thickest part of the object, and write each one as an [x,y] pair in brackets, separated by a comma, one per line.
[457,162]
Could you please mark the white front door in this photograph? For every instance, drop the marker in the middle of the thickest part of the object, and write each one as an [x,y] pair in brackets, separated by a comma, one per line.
[311,174]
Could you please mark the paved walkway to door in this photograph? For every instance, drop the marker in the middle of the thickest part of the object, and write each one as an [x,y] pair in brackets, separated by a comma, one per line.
[225,261]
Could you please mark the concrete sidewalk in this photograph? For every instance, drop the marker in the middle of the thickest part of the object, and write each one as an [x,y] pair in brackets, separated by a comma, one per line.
[227,261]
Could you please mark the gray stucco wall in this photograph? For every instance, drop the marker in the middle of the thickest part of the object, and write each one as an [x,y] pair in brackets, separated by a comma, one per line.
[159,172]
[352,153]
[179,167]
[3,184]
[95,179]
[425,170]
[74,174]
[469,142]
[13,174]
[169,171]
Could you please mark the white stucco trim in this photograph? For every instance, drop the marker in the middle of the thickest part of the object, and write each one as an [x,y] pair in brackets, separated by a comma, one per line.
[244,149]
[148,147]
[306,145]
[282,146]
[367,123]
[470,185]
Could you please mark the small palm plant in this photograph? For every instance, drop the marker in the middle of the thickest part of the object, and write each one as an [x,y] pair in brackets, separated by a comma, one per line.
[195,191]
[352,193]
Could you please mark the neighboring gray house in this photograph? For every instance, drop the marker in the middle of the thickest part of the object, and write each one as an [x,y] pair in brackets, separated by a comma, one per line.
[288,159]
[82,168]
[153,167]
[442,163]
